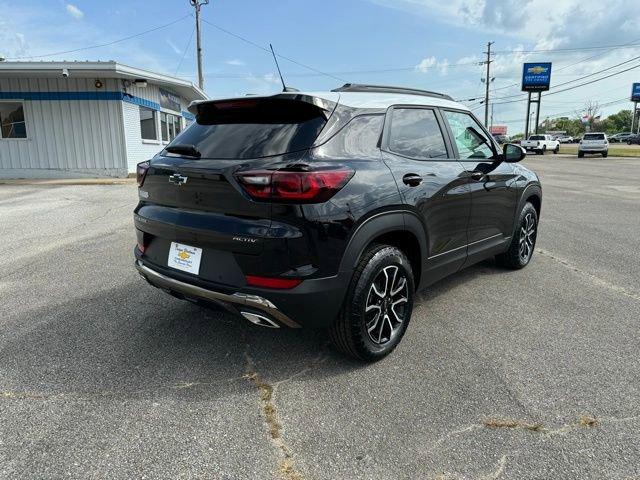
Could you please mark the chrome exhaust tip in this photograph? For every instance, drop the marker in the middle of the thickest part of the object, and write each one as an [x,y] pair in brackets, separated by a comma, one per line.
[260,320]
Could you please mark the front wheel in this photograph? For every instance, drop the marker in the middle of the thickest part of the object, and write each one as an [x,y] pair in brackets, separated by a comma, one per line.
[524,240]
[378,305]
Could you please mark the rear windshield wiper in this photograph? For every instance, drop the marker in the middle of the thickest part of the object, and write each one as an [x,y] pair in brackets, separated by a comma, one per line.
[184,149]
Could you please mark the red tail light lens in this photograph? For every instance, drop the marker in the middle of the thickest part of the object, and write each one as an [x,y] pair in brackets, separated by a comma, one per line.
[270,282]
[141,172]
[294,186]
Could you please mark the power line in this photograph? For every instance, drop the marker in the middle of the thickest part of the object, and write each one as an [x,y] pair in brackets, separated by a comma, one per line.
[184,53]
[124,39]
[521,96]
[583,60]
[246,40]
[576,49]
[608,104]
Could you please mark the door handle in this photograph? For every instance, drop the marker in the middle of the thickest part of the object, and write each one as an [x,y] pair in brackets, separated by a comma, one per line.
[476,175]
[412,179]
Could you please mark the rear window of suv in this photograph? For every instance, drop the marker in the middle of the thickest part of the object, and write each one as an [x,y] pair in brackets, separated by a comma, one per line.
[594,136]
[537,137]
[253,128]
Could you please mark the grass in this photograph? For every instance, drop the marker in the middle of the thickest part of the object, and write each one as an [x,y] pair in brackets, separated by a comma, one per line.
[615,149]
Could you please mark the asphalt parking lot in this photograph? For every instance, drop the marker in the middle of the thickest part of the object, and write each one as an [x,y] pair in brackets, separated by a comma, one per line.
[502,374]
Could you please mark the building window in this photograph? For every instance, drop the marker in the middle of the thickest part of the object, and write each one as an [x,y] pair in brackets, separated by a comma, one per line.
[163,127]
[148,128]
[171,126]
[12,123]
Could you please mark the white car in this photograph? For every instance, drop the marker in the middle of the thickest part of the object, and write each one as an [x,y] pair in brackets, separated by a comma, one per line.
[567,139]
[541,144]
[594,143]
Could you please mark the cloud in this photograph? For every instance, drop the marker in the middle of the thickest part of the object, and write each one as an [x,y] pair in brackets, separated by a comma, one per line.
[430,63]
[271,78]
[235,63]
[74,11]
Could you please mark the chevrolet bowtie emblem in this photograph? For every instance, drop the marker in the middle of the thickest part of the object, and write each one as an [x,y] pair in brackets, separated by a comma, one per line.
[177,179]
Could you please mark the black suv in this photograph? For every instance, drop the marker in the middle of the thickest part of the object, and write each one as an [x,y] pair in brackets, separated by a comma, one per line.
[331,209]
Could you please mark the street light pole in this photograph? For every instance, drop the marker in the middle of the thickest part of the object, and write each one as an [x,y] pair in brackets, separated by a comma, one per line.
[197,4]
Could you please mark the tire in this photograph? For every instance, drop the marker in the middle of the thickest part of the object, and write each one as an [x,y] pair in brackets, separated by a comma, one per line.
[580,155]
[355,331]
[605,154]
[556,150]
[544,150]
[523,242]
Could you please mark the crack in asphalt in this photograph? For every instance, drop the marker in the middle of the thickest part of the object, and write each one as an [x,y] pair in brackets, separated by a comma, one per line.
[267,391]
[594,278]
[286,465]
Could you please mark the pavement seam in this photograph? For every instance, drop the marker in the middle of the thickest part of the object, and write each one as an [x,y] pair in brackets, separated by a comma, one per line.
[594,278]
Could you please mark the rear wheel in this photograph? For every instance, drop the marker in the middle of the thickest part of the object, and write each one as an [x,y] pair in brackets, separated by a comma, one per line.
[378,306]
[580,155]
[605,154]
[524,240]
[556,150]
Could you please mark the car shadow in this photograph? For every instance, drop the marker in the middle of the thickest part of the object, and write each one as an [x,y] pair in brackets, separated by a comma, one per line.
[135,340]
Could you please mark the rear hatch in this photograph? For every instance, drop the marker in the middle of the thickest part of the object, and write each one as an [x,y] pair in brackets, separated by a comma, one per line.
[191,196]
[594,139]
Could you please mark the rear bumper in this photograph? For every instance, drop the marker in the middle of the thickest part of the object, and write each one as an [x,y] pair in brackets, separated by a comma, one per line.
[594,149]
[314,303]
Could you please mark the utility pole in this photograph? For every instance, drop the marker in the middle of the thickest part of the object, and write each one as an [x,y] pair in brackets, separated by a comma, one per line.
[487,82]
[197,4]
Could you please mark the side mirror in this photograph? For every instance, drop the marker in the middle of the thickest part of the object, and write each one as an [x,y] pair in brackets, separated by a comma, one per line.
[512,153]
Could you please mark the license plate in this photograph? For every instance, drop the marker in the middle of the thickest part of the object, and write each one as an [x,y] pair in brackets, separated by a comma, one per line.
[185,258]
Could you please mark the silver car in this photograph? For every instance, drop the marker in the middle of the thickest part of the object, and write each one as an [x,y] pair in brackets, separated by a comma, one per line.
[596,143]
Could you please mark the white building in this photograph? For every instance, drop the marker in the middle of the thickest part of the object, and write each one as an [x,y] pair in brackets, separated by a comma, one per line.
[79,119]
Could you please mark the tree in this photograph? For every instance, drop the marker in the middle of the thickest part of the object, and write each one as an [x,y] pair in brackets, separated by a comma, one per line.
[621,121]
[591,110]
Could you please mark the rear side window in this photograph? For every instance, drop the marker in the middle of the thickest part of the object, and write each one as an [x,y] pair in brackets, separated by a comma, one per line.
[253,128]
[415,133]
[594,136]
[358,139]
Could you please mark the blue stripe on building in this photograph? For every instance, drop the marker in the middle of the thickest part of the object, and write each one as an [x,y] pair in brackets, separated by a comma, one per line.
[188,115]
[52,96]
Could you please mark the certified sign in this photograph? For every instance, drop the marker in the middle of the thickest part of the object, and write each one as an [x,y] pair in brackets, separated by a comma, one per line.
[635,92]
[536,77]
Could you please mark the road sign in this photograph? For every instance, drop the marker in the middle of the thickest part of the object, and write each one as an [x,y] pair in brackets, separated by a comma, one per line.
[635,92]
[498,129]
[536,77]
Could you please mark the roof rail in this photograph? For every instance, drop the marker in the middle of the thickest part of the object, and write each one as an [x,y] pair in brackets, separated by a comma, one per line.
[356,87]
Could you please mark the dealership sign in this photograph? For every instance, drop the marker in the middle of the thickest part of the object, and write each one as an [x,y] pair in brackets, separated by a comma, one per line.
[536,77]
[635,92]
[498,129]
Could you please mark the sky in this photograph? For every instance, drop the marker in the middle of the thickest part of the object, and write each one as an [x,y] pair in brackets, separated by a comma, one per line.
[430,44]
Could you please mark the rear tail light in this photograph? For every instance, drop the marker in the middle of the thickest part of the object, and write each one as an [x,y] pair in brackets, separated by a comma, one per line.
[294,186]
[272,282]
[141,172]
[143,240]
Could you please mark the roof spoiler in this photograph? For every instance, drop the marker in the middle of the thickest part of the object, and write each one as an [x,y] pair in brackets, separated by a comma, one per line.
[356,87]
[326,106]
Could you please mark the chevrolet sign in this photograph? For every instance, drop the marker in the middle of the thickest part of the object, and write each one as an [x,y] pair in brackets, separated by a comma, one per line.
[536,77]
